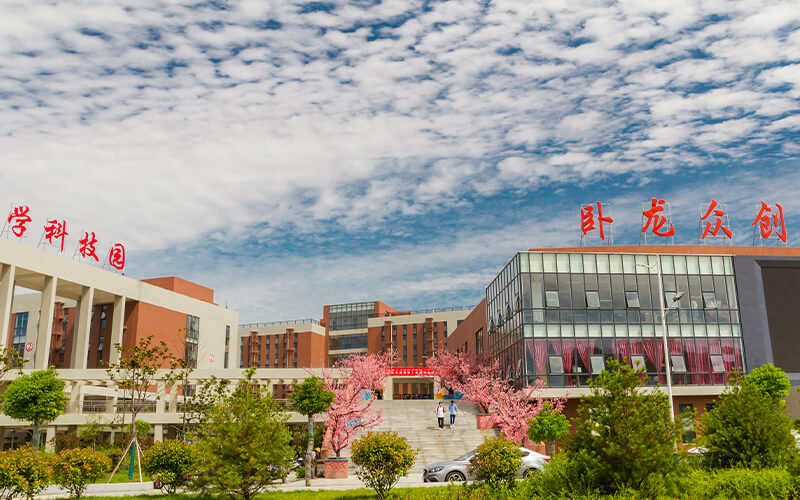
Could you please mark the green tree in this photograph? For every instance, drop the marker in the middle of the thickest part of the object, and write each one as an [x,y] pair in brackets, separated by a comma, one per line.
[23,473]
[382,458]
[496,461]
[311,398]
[74,469]
[170,462]
[10,359]
[771,380]
[747,427]
[624,432]
[38,398]
[550,424]
[242,443]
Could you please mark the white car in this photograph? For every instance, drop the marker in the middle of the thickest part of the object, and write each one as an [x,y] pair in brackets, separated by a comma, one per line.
[458,469]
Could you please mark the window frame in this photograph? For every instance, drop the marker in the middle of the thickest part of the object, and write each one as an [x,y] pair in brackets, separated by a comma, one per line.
[548,294]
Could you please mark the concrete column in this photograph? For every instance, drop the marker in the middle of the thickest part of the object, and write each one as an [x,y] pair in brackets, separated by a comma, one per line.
[388,390]
[41,349]
[6,298]
[50,439]
[117,326]
[173,398]
[161,394]
[158,433]
[74,405]
[80,340]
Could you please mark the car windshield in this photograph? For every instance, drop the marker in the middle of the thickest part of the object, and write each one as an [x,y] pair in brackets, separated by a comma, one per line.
[465,457]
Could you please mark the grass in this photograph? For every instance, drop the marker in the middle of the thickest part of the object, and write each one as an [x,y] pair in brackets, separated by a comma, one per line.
[359,494]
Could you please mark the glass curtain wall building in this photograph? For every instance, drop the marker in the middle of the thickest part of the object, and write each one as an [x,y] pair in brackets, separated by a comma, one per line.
[560,316]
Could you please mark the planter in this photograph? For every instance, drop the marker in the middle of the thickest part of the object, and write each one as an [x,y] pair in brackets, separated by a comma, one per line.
[483,421]
[335,468]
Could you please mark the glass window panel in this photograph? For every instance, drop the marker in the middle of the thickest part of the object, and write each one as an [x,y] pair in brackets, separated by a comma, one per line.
[604,288]
[731,288]
[674,330]
[562,262]
[556,365]
[593,316]
[712,330]
[728,264]
[537,291]
[700,331]
[590,281]
[737,331]
[598,365]
[528,331]
[549,261]
[602,263]
[669,283]
[678,363]
[608,330]
[620,330]
[635,330]
[630,282]
[648,330]
[606,316]
[641,264]
[670,296]
[592,300]
[643,287]
[539,331]
[580,315]
[632,299]
[617,292]
[667,264]
[638,363]
[629,264]
[566,316]
[687,331]
[535,262]
[705,264]
[659,332]
[652,264]
[620,316]
[709,300]
[524,265]
[575,263]
[589,263]
[717,266]
[581,331]
[567,331]
[564,293]
[725,331]
[594,330]
[578,298]
[526,290]
[680,264]
[551,298]
[692,264]
[553,330]
[717,363]
[615,263]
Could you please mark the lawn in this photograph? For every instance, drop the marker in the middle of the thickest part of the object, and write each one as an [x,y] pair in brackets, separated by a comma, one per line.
[359,494]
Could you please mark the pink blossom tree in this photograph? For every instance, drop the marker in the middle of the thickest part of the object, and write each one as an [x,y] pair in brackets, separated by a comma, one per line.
[512,410]
[353,405]
[467,373]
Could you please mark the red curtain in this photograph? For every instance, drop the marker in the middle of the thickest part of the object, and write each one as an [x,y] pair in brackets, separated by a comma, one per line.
[728,356]
[737,350]
[715,347]
[703,361]
[567,354]
[654,349]
[585,349]
[540,357]
[622,351]
[691,359]
[636,347]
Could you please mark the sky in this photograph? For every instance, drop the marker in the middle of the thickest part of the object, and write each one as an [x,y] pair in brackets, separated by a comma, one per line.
[296,154]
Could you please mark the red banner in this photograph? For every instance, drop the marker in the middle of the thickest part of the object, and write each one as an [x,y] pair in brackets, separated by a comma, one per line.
[410,372]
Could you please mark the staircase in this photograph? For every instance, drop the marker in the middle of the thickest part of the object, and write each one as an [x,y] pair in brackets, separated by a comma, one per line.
[416,421]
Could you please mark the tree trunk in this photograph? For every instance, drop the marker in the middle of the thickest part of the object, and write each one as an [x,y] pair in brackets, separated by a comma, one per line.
[551,447]
[36,435]
[309,449]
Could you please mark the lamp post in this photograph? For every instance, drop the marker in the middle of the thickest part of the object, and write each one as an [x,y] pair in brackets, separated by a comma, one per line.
[664,310]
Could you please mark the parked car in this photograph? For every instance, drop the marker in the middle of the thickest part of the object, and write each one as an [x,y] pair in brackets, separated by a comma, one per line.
[458,469]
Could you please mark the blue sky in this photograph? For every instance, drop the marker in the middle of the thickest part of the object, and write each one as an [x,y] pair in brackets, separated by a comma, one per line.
[293,154]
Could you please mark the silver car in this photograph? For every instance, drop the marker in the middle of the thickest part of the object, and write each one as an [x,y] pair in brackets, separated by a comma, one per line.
[458,469]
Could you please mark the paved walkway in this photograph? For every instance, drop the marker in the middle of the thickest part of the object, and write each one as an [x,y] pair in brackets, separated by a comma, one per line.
[146,488]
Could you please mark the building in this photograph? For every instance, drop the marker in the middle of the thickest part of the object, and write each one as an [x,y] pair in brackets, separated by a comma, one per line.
[558,314]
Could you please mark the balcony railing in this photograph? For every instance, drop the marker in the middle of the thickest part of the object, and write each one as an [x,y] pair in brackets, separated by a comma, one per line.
[280,323]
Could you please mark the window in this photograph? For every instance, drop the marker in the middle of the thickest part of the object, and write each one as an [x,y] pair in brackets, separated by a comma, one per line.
[688,422]
[632,299]
[638,362]
[709,300]
[556,365]
[592,300]
[103,310]
[598,365]
[295,350]
[717,364]
[678,363]
[227,344]
[479,342]
[192,339]
[267,357]
[551,298]
[241,352]
[20,329]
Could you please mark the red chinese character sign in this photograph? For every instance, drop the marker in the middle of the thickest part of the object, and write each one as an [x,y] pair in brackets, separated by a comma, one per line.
[87,246]
[56,230]
[594,222]
[116,256]
[18,220]
[714,219]
[656,219]
[769,224]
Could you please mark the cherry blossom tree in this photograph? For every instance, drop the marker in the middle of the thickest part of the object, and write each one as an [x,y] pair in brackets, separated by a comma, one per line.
[465,372]
[353,404]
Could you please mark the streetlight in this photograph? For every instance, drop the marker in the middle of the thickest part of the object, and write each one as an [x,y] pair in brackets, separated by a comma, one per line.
[664,310]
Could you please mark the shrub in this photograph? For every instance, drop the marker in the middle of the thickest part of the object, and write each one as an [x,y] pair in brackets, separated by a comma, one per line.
[739,483]
[69,441]
[170,462]
[496,462]
[550,424]
[747,428]
[381,458]
[23,472]
[300,472]
[114,454]
[624,433]
[771,380]
[74,469]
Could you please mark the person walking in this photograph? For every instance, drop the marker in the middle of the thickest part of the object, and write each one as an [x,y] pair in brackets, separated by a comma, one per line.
[440,415]
[453,410]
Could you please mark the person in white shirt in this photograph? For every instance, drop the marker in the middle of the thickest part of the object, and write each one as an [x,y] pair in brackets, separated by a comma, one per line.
[440,415]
